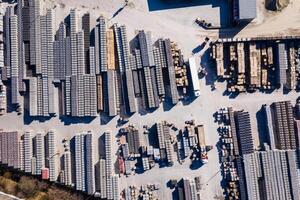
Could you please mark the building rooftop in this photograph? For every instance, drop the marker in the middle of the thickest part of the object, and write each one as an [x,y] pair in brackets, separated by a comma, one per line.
[247,9]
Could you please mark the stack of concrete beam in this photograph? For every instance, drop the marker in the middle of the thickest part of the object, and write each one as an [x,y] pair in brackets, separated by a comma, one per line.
[102,44]
[67,167]
[21,47]
[133,140]
[244,132]
[6,25]
[142,85]
[3,148]
[161,135]
[285,137]
[112,182]
[282,64]
[158,71]
[1,43]
[108,165]
[291,71]
[80,95]
[125,68]
[272,174]
[59,49]
[26,27]
[164,142]
[149,89]
[187,189]
[102,178]
[243,137]
[252,172]
[92,64]
[45,95]
[89,164]
[39,152]
[79,159]
[80,53]
[171,72]
[21,155]
[33,165]
[68,56]
[67,95]
[14,59]
[270,126]
[3,97]
[83,162]
[74,96]
[233,131]
[135,79]
[97,50]
[148,63]
[93,95]
[86,29]
[100,97]
[115,186]
[111,83]
[193,189]
[27,140]
[35,35]
[73,37]
[51,156]
[146,49]
[39,95]
[9,145]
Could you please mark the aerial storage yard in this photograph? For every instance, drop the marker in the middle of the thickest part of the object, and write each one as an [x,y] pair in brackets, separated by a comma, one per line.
[152,99]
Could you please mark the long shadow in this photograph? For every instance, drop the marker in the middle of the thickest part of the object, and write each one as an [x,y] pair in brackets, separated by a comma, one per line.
[198,48]
[231,95]
[104,118]
[207,64]
[29,119]
[225,18]
[233,31]
[67,120]
[188,100]
[262,126]
[175,194]
[101,146]
[152,136]
[118,11]
[167,105]
[196,164]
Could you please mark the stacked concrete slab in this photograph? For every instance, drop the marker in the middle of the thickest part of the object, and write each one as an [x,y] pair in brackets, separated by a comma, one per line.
[27,141]
[51,155]
[83,162]
[71,60]
[284,131]
[67,168]
[9,145]
[272,174]
[14,59]
[89,165]
[128,96]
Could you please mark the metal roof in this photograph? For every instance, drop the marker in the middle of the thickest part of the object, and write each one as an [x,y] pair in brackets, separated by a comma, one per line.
[247,9]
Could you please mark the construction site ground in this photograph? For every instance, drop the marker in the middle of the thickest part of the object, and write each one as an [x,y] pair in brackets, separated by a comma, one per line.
[176,23]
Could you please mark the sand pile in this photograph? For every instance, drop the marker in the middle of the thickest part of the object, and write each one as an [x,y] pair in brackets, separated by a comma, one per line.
[276,5]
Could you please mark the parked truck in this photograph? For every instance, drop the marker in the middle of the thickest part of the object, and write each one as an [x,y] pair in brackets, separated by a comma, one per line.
[199,130]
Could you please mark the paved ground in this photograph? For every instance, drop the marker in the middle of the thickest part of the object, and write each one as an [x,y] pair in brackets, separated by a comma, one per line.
[177,24]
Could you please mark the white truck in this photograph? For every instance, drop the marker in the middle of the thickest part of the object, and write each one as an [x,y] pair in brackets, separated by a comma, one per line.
[194,76]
